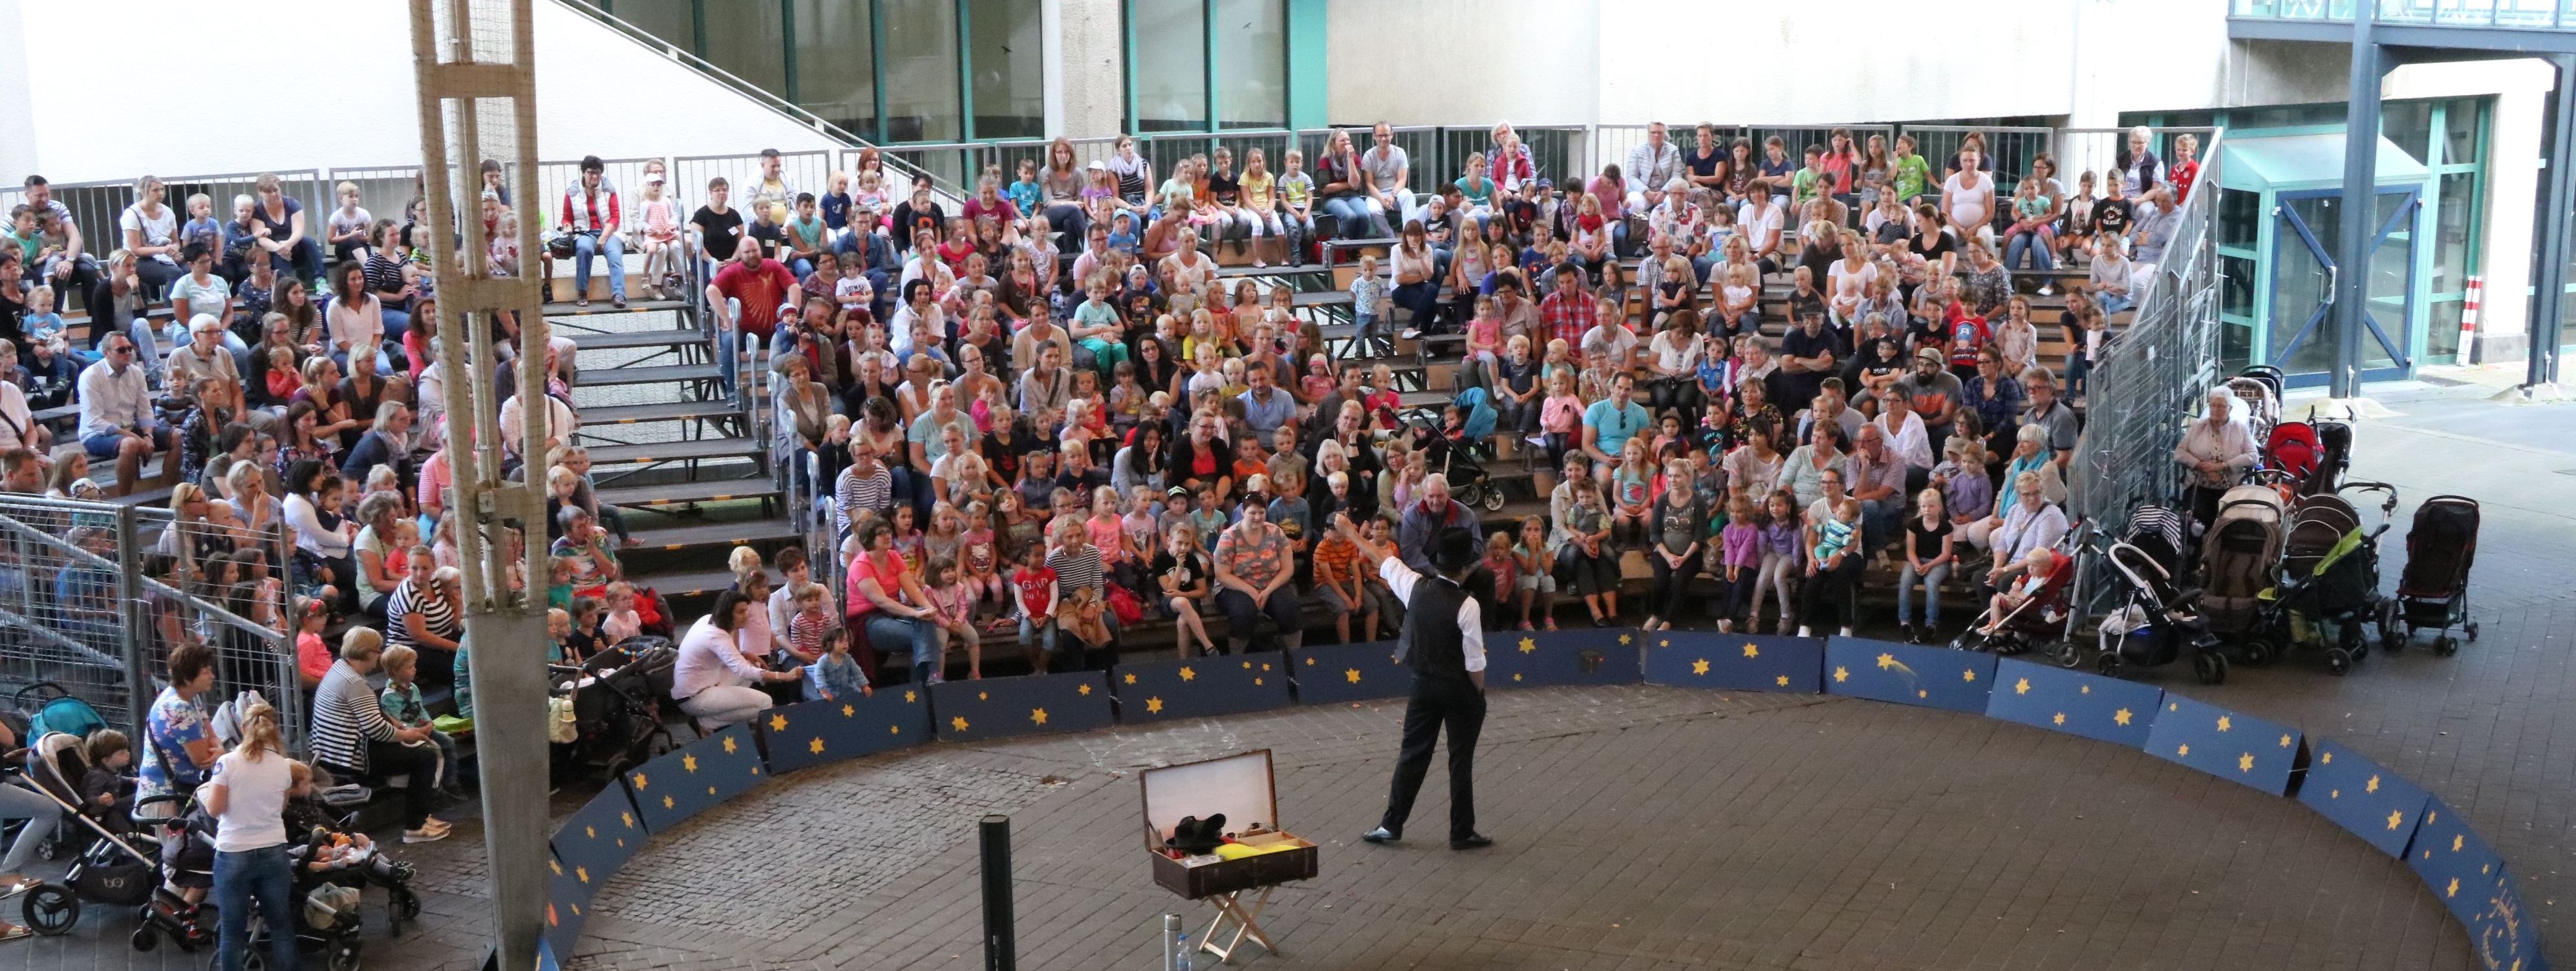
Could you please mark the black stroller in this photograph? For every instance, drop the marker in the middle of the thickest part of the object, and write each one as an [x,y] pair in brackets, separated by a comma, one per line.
[2157,618]
[2434,590]
[118,859]
[1463,465]
[617,706]
[2329,582]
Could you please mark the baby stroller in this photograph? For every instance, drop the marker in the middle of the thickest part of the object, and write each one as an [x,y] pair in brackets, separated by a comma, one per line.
[2293,450]
[2434,590]
[2041,620]
[2258,391]
[2334,457]
[117,870]
[1462,464]
[617,703]
[2238,557]
[2157,617]
[2330,577]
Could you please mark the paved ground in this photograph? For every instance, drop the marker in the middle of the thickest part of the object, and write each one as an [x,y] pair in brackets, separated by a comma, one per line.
[1652,828]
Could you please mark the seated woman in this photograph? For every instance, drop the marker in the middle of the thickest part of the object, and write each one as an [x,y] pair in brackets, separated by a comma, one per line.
[713,679]
[353,738]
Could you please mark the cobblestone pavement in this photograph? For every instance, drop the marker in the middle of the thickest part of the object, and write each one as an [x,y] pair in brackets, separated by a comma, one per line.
[1650,827]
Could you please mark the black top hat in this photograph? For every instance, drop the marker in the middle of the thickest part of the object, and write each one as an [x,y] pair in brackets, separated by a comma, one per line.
[1454,549]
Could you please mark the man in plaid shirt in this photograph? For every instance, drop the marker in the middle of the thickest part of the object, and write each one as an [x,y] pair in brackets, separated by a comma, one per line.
[1567,311]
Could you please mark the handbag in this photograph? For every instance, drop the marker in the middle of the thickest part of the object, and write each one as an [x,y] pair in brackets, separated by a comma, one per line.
[1123,602]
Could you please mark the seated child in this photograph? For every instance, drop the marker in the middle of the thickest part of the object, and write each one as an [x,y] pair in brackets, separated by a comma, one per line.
[621,621]
[404,707]
[107,791]
[835,675]
[2035,568]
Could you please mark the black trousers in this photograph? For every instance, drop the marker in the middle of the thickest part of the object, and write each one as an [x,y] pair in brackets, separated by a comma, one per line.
[1437,703]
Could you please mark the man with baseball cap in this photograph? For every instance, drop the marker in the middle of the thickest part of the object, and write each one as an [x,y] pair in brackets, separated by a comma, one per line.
[1443,641]
[1933,392]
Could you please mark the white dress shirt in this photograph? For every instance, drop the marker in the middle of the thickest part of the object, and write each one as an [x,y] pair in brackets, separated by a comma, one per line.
[1471,616]
[111,400]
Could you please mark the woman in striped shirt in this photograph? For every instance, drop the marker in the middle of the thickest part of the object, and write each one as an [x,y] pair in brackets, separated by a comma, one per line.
[353,738]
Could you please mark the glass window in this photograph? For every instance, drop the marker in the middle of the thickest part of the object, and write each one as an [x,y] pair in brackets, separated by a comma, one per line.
[2442,341]
[921,71]
[671,20]
[743,39]
[1168,64]
[1252,63]
[2409,124]
[2460,131]
[2240,217]
[2458,210]
[836,68]
[2236,286]
[1003,51]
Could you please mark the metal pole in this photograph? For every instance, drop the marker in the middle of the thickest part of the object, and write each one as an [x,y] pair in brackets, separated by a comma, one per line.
[138,620]
[1001,950]
[2557,191]
[2359,218]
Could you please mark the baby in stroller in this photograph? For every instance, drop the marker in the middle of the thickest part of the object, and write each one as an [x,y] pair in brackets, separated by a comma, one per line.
[107,789]
[2041,585]
[331,854]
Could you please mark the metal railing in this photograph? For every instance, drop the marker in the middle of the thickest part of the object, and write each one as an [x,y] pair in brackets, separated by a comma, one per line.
[95,206]
[2157,372]
[2098,150]
[2514,14]
[93,597]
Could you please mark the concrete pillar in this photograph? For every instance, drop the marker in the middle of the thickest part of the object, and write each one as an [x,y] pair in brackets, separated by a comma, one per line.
[1086,69]
[2557,190]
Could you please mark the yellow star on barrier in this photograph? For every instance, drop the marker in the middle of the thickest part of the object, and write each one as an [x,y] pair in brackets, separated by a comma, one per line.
[639,780]
[1083,690]
[590,831]
[2456,840]
[1037,715]
[1516,675]
[2372,785]
[689,762]
[2245,762]
[1131,679]
[1666,642]
[958,723]
[2326,758]
[729,743]
[1886,661]
[2084,689]
[2173,706]
[1699,666]
[555,865]
[582,873]
[2058,719]
[1265,665]
[2121,716]
[1256,682]
[910,697]
[1529,645]
[815,746]
[2285,741]
[849,711]
[1968,675]
[894,729]
[1351,675]
[628,819]
[2222,723]
[777,723]
[1247,665]
[1188,674]
[2396,816]
[1154,706]
[1310,662]
[1623,640]
[1784,680]
[983,696]
[2022,686]
[2182,750]
[1842,674]
[2453,890]
[2334,793]
[666,802]
[1752,650]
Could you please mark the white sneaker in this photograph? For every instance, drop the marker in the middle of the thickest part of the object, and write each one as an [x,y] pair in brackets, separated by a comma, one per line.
[1802,630]
[1538,440]
[424,835]
[1258,264]
[1847,632]
[1411,333]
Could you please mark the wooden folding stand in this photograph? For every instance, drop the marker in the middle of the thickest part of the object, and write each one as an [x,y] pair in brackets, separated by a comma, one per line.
[1244,789]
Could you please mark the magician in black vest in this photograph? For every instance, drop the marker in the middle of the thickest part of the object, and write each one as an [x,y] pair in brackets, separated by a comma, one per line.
[1444,643]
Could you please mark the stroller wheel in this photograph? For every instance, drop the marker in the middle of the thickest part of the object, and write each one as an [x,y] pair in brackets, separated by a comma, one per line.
[2445,646]
[2338,661]
[51,909]
[2391,633]
[2210,668]
[2066,654]
[1494,498]
[2472,628]
[144,940]
[2107,665]
[344,957]
[2257,652]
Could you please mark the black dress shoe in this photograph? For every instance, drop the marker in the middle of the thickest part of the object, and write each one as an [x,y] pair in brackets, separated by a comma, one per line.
[1380,835]
[1472,841]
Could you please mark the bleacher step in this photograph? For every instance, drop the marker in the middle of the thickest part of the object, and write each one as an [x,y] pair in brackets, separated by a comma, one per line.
[623,340]
[680,493]
[699,449]
[652,374]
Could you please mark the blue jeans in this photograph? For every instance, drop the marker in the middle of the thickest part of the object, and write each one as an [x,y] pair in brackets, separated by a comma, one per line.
[2027,243]
[241,878]
[888,634]
[588,245]
[1047,635]
[2111,303]
[1931,594]
[1361,217]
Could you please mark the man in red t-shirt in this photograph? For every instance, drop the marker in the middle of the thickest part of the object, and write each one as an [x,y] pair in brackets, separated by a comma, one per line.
[745,298]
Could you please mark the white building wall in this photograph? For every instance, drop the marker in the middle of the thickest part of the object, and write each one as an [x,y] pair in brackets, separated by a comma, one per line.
[598,92]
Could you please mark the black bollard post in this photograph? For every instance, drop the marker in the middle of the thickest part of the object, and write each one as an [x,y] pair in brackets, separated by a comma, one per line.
[1001,951]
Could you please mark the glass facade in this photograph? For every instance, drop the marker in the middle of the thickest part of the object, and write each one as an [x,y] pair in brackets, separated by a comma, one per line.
[889,71]
[1201,65]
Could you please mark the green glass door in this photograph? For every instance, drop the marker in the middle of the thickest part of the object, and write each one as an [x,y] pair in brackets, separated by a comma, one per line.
[2300,337]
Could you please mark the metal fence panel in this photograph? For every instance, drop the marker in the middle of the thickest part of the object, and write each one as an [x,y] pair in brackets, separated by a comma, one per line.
[2157,372]
[2012,148]
[223,584]
[2097,150]
[386,192]
[802,171]
[95,206]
